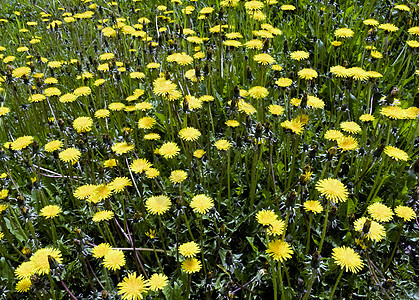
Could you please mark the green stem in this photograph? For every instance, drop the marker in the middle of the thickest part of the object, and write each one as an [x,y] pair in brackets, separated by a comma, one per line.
[394,248]
[324,226]
[308,234]
[281,284]
[336,285]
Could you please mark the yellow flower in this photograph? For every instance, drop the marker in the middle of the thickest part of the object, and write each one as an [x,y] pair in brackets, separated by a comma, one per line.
[367,118]
[53,146]
[40,259]
[315,102]
[376,231]
[276,227]
[294,125]
[307,73]
[347,258]
[103,215]
[344,33]
[119,184]
[339,71]
[287,7]
[84,191]
[388,27]
[181,58]
[405,212]
[121,148]
[371,22]
[102,113]
[25,270]
[21,142]
[71,155]
[169,150]
[266,217]
[264,58]
[50,211]
[380,212]
[152,173]
[4,110]
[132,287]
[199,153]
[332,189]
[66,98]
[158,281]
[314,206]
[191,265]
[279,250]
[146,122]
[23,285]
[232,123]
[189,249]
[393,112]
[413,43]
[158,204]
[358,73]
[414,30]
[299,55]
[110,163]
[396,153]
[347,143]
[177,176]
[201,203]
[101,250]
[22,71]
[189,134]
[116,106]
[152,136]
[83,124]
[140,165]
[402,7]
[114,260]
[283,82]
[82,91]
[258,92]
[333,135]
[222,144]
[254,44]
[101,192]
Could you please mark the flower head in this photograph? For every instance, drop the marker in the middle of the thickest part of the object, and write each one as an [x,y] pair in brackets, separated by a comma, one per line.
[119,184]
[146,122]
[50,211]
[222,145]
[53,146]
[258,92]
[22,142]
[158,281]
[103,215]
[283,82]
[299,55]
[71,155]
[40,259]
[169,150]
[294,125]
[344,33]
[307,74]
[376,231]
[191,265]
[396,153]
[189,249]
[158,204]
[132,287]
[23,285]
[347,143]
[140,165]
[332,189]
[347,258]
[313,206]
[264,58]
[177,176]
[279,250]
[380,212]
[101,250]
[276,227]
[114,260]
[189,134]
[266,217]
[276,110]
[201,203]
[350,127]
[121,148]
[405,212]
[83,124]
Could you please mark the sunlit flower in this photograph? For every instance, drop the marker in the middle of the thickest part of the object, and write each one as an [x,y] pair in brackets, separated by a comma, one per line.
[258,92]
[157,281]
[177,176]
[50,211]
[333,135]
[114,260]
[313,206]
[283,82]
[25,270]
[83,124]
[347,258]
[199,153]
[222,144]
[140,165]
[121,148]
[380,212]
[276,110]
[189,249]
[169,150]
[294,125]
[146,122]
[103,215]
[388,27]
[276,227]
[264,58]
[396,153]
[332,189]
[299,55]
[191,265]
[201,203]
[53,146]
[119,184]
[266,217]
[279,250]
[405,212]
[158,204]
[344,33]
[347,143]
[40,259]
[23,285]
[307,74]
[366,118]
[71,155]
[189,134]
[101,250]
[376,231]
[22,142]
[132,287]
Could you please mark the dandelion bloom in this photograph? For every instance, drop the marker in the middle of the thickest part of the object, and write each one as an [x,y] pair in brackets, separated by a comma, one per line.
[157,281]
[371,22]
[358,73]
[380,212]
[4,110]
[347,143]
[315,102]
[25,270]
[199,153]
[347,258]
[82,91]
[101,192]
[308,74]
[50,211]
[376,231]
[339,71]
[313,206]
[146,122]
[119,184]
[366,118]
[83,124]
[177,176]
[191,265]
[388,27]
[258,92]
[22,142]
[299,55]
[232,123]
[276,110]
[294,125]
[396,153]
[158,204]
[103,215]
[189,249]
[114,260]
[279,250]
[52,91]
[201,203]
[264,58]
[22,71]
[84,191]
[247,108]
[333,135]
[414,30]
[189,134]
[283,82]
[40,259]
[332,189]
[276,227]
[121,148]
[344,33]
[169,150]
[53,146]
[266,217]
[66,98]
[101,250]
[393,112]
[152,136]
[152,173]
[23,285]
[405,212]
[222,144]
[71,155]
[350,127]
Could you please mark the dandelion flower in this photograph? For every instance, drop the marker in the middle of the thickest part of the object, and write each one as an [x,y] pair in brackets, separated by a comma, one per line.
[41,262]
[258,92]
[119,184]
[414,30]
[122,148]
[333,135]
[71,155]
[315,102]
[380,212]
[102,113]
[264,58]
[114,260]
[376,231]
[350,127]
[308,74]
[344,33]
[266,217]
[393,112]
[177,176]
[158,281]
[146,122]
[25,270]
[22,71]
[347,143]
[201,203]
[232,123]
[294,125]
[189,134]
[222,144]
[82,91]
[152,136]
[169,150]
[84,191]
[23,285]
[163,87]
[66,98]
[283,82]
[199,153]
[50,211]
[53,146]
[279,250]
[299,55]
[4,111]
[396,153]
[332,189]
[405,212]
[158,204]
[339,71]
[191,265]
[357,73]
[83,124]
[276,227]
[22,142]
[101,250]
[366,118]
[313,206]
[189,249]
[347,258]
[388,27]
[103,215]
[371,22]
